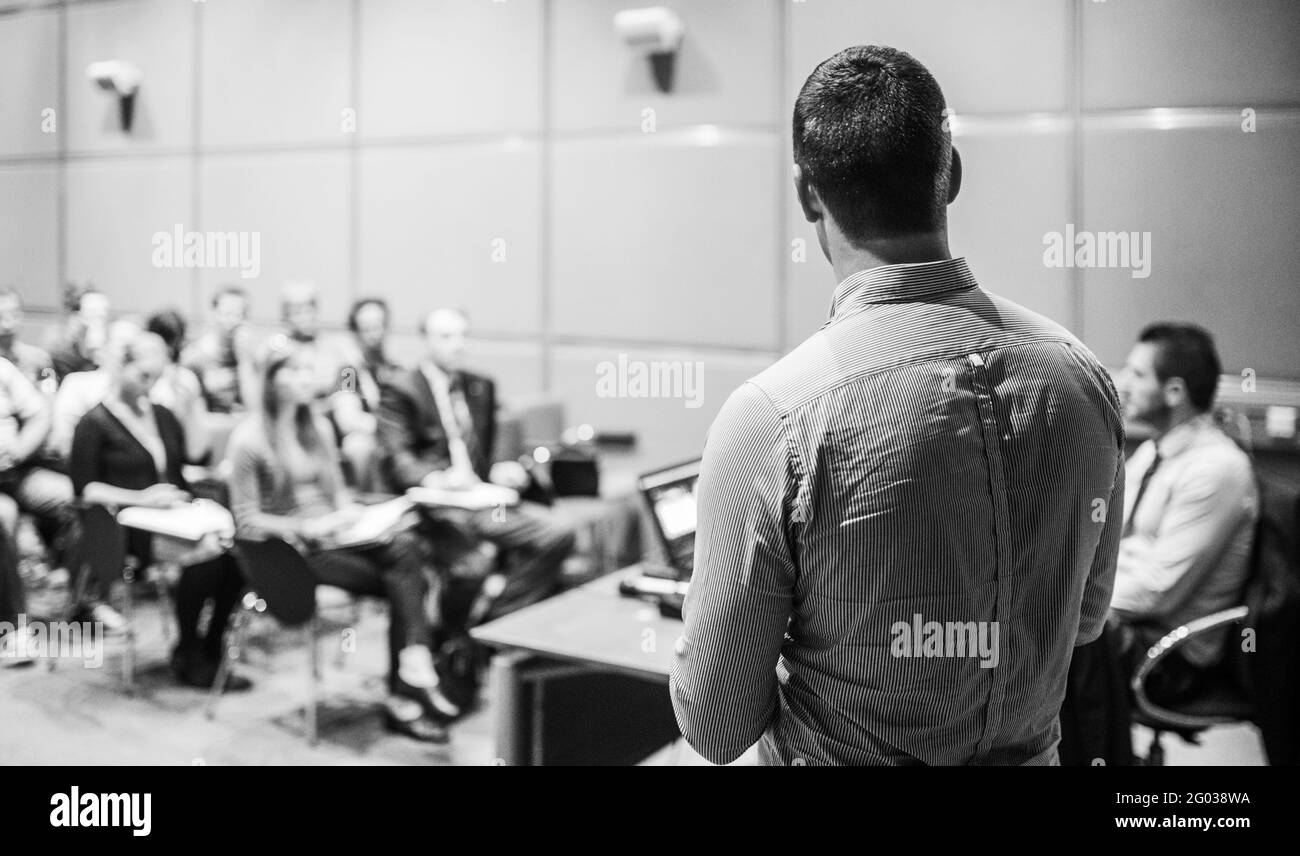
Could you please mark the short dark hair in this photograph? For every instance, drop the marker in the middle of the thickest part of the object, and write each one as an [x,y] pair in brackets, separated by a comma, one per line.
[228,290]
[1186,351]
[362,304]
[74,293]
[168,325]
[870,136]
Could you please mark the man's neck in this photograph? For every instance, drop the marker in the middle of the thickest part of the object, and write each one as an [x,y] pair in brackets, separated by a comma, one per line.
[848,259]
[1176,420]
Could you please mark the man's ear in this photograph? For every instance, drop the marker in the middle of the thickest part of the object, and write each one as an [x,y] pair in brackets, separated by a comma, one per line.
[1174,391]
[809,201]
[954,176]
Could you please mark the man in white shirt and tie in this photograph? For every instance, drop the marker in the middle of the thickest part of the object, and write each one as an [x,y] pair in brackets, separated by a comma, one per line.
[1190,504]
[437,425]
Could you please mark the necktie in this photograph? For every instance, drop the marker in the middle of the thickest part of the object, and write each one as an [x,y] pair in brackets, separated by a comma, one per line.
[1142,489]
[459,428]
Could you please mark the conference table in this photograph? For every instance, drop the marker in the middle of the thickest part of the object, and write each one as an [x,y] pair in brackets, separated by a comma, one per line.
[582,678]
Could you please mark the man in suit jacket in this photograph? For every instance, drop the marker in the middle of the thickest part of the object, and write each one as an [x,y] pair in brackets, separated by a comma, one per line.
[437,424]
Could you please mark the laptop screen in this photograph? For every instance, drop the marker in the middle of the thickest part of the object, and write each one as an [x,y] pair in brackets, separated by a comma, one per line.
[671,494]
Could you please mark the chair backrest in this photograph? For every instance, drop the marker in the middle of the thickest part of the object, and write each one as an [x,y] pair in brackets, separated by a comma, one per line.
[102,545]
[1270,670]
[280,576]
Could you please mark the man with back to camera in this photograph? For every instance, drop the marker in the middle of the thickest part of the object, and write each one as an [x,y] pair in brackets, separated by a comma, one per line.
[907,523]
[1190,509]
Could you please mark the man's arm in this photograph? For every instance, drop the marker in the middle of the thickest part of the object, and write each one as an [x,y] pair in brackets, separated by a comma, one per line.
[723,682]
[397,424]
[32,410]
[1101,577]
[1206,507]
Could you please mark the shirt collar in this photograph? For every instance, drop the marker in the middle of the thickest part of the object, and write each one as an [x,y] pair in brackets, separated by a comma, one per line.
[1180,437]
[891,283]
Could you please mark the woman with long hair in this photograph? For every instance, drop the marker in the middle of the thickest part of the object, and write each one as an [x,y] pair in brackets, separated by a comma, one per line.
[286,482]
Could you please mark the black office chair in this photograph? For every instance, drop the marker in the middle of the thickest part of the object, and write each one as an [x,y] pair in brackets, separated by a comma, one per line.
[1246,686]
[101,559]
[281,583]
[1223,702]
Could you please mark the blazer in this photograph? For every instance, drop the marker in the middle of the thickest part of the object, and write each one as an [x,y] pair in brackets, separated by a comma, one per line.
[411,431]
[105,450]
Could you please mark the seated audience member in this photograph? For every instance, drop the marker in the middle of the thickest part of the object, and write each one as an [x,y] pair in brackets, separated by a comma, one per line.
[129,451]
[1190,505]
[285,482]
[368,322]
[13,603]
[223,357]
[32,361]
[26,485]
[178,389]
[438,427]
[80,391]
[75,348]
[333,381]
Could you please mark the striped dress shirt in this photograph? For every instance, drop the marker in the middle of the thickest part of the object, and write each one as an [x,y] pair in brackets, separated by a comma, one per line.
[905,527]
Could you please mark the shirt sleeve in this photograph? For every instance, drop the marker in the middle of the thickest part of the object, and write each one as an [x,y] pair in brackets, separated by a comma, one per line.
[28,403]
[1101,576]
[86,456]
[723,683]
[244,482]
[1207,504]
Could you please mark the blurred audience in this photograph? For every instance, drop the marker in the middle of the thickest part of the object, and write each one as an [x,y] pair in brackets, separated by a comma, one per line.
[223,357]
[80,391]
[438,428]
[333,379]
[33,362]
[1190,505]
[25,484]
[286,482]
[178,388]
[75,348]
[368,323]
[128,450]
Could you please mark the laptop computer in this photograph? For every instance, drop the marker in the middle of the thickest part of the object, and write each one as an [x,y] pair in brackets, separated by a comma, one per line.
[670,494]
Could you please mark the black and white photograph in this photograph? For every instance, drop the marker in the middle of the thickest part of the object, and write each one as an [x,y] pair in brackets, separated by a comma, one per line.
[575,383]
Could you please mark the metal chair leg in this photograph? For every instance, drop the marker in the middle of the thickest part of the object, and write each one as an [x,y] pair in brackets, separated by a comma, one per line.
[128,653]
[229,653]
[1156,752]
[76,594]
[313,679]
[167,607]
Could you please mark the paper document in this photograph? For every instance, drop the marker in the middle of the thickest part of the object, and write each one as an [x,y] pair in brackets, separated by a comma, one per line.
[473,498]
[191,522]
[376,524]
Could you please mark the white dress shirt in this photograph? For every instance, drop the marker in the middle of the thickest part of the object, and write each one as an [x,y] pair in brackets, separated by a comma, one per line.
[1186,548]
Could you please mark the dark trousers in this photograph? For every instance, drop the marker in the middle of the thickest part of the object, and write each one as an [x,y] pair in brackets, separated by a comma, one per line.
[13,600]
[217,580]
[394,571]
[1095,724]
[47,496]
[532,550]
